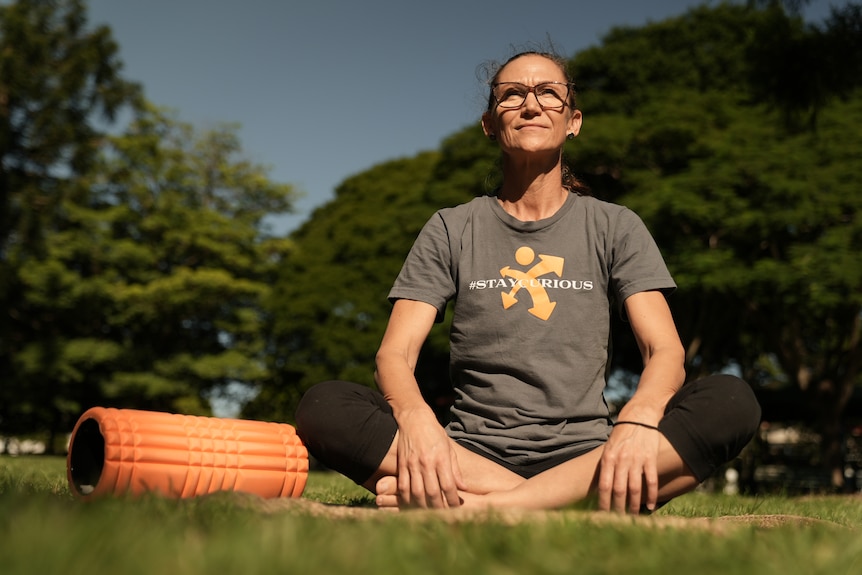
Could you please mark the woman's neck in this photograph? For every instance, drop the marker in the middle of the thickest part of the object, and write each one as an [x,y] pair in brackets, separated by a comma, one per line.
[532,196]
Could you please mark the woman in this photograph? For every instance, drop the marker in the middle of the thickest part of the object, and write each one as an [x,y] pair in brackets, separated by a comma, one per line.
[536,271]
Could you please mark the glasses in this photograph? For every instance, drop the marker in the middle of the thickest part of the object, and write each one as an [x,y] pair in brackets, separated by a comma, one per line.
[550,95]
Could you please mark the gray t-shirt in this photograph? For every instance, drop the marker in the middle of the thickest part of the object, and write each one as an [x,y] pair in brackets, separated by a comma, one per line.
[530,332]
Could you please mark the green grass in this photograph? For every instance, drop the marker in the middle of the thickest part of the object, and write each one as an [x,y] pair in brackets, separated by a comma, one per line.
[44,530]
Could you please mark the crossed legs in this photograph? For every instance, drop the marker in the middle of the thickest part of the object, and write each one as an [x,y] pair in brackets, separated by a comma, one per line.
[491,485]
[350,428]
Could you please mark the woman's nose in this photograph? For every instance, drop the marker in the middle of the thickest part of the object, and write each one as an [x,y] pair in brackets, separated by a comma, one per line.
[532,103]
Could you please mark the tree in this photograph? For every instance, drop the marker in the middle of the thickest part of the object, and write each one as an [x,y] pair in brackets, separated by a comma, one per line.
[57,78]
[150,294]
[798,68]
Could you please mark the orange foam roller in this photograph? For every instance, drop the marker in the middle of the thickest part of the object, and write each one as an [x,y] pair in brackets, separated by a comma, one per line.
[127,451]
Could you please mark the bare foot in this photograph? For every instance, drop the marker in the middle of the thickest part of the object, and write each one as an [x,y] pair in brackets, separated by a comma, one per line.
[387,496]
[387,493]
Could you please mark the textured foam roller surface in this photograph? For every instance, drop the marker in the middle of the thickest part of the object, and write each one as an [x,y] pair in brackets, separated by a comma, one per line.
[127,451]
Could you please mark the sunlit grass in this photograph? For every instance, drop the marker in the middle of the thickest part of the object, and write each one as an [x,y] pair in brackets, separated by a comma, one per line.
[30,473]
[44,530]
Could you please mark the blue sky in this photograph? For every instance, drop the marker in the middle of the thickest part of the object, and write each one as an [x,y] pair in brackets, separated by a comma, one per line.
[326,89]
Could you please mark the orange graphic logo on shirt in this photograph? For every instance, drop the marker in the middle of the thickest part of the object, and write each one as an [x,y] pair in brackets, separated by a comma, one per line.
[531,282]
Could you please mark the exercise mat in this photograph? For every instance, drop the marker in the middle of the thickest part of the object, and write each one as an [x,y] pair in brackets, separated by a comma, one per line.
[132,452]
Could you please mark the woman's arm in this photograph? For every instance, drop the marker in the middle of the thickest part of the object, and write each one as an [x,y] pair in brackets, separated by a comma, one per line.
[629,460]
[428,472]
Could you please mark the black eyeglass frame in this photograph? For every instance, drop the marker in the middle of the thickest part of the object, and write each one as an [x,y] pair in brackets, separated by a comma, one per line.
[532,90]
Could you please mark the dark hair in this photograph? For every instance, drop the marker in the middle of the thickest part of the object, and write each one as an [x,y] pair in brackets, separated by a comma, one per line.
[491,71]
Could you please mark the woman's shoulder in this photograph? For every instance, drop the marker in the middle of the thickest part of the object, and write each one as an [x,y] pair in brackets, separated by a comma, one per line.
[599,206]
[449,221]
[598,210]
[467,207]
[463,212]
[615,219]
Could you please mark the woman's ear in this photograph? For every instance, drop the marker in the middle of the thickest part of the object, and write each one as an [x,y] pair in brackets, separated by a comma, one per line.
[575,122]
[488,125]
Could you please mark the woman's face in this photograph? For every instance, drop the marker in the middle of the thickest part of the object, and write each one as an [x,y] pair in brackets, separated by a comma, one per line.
[531,129]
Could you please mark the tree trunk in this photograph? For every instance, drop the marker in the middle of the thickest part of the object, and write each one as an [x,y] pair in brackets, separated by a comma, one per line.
[830,398]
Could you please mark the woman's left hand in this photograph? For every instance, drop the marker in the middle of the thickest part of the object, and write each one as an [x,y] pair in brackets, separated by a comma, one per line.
[628,470]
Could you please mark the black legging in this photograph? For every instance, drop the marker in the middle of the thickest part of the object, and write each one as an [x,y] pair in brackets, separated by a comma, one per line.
[349,427]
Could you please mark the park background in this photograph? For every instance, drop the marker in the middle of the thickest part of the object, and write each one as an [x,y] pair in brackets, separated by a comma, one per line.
[148,258]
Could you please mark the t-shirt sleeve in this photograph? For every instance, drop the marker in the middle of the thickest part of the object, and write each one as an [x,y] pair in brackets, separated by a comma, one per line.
[636,262]
[427,273]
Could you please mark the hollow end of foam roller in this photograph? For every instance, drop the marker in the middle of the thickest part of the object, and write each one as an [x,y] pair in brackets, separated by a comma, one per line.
[86,458]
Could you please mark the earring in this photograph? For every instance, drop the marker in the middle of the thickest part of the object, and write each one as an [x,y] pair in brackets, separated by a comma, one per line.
[492,137]
[570,136]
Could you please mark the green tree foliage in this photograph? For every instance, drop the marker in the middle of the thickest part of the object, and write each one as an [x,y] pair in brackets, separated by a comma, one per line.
[799,69]
[57,78]
[150,294]
[134,266]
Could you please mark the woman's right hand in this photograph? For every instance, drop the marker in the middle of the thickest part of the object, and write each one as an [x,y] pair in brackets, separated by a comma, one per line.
[428,471]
